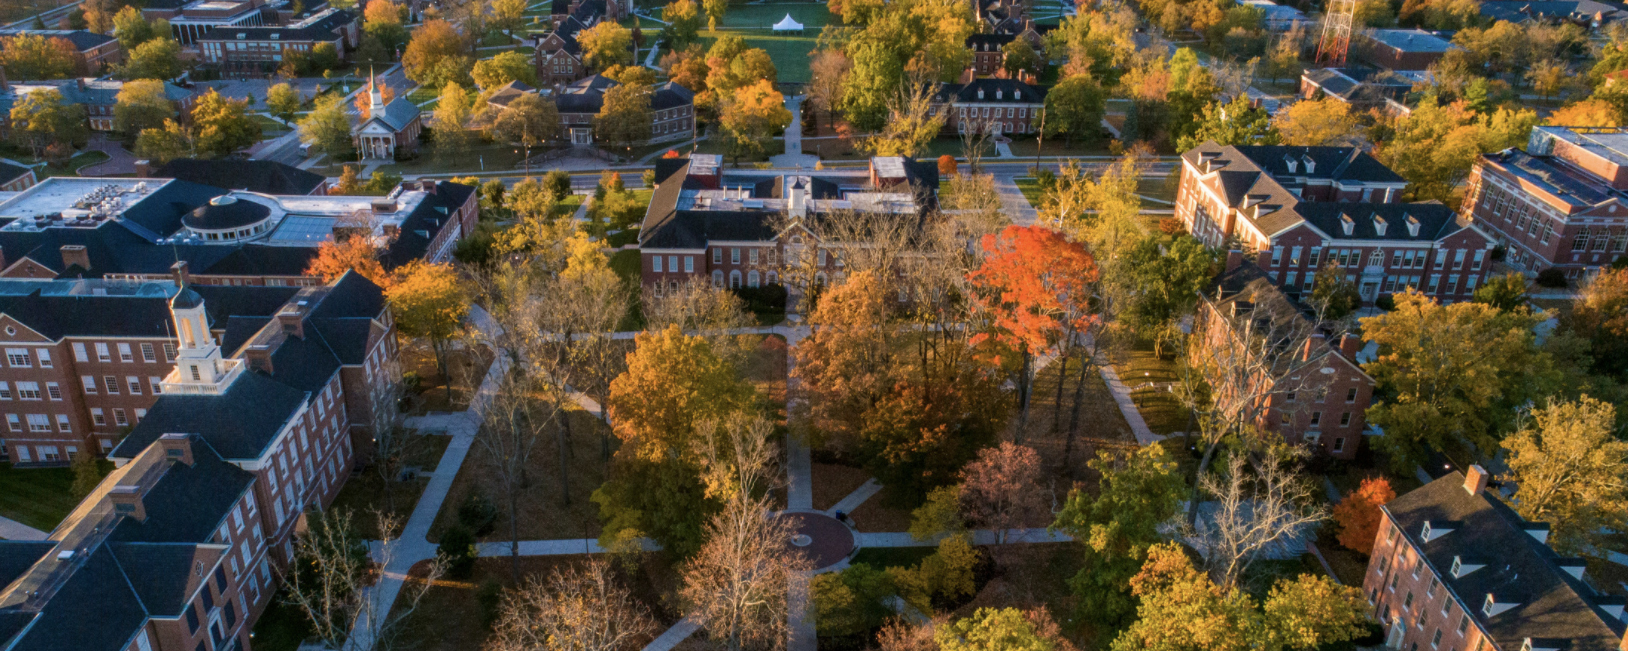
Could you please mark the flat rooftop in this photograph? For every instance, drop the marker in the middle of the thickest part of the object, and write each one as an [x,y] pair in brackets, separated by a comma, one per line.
[1411,40]
[1610,144]
[74,197]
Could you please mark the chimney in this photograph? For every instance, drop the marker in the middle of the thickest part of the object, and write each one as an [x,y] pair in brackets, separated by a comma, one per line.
[1235,259]
[144,168]
[177,447]
[179,272]
[259,357]
[75,254]
[1349,345]
[427,185]
[127,502]
[292,320]
[1313,344]
[4,85]
[1475,479]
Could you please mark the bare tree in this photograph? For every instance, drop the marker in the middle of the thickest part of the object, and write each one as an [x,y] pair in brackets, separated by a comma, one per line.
[583,608]
[514,424]
[700,307]
[739,586]
[976,133]
[329,581]
[1253,510]
[391,442]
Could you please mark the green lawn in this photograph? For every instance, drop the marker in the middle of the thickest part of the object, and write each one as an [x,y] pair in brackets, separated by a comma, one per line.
[627,265]
[789,51]
[1148,378]
[37,497]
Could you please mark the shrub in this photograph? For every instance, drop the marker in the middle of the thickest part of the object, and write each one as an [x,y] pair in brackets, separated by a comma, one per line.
[852,601]
[489,596]
[1386,303]
[946,165]
[477,513]
[458,547]
[769,298]
[1552,277]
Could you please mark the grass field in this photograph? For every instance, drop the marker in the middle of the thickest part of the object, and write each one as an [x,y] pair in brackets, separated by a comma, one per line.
[37,497]
[789,51]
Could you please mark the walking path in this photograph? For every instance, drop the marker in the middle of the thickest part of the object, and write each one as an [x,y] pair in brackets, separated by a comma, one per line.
[14,530]
[793,137]
[1127,407]
[119,160]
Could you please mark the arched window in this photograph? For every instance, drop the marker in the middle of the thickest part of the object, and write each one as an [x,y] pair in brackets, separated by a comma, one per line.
[819,279]
[734,279]
[717,278]
[752,279]
[773,278]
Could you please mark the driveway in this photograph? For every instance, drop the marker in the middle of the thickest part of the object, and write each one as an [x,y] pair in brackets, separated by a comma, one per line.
[119,160]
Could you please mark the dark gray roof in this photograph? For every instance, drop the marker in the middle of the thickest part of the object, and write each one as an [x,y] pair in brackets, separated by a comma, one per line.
[1260,173]
[1436,221]
[226,213]
[84,40]
[1009,91]
[64,316]
[670,95]
[9,172]
[1410,40]
[420,226]
[1551,603]
[95,609]
[1516,11]
[988,42]
[263,176]
[397,114]
[16,556]
[239,423]
[159,571]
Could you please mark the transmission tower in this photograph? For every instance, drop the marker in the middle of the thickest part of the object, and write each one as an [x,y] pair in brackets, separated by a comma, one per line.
[1336,33]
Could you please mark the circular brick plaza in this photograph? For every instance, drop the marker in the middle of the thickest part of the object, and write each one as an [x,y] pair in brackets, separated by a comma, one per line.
[820,537]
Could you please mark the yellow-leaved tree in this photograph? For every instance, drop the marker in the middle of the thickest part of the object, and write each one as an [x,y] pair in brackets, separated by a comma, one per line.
[429,301]
[1572,472]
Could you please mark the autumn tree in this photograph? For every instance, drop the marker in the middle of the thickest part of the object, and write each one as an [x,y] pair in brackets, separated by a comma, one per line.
[683,23]
[283,102]
[624,118]
[752,118]
[503,68]
[1318,123]
[1358,514]
[828,70]
[582,607]
[1600,315]
[356,253]
[162,145]
[132,29]
[159,58]
[1572,472]
[715,12]
[1586,113]
[508,15]
[1446,372]
[911,123]
[44,117]
[1036,285]
[606,44]
[1237,123]
[28,57]
[1434,146]
[846,363]
[736,588]
[1002,488]
[1333,294]
[1003,629]
[327,127]
[429,301]
[1116,527]
[383,21]
[140,105]
[1181,608]
[529,120]
[452,113]
[223,125]
[437,54]
[1507,292]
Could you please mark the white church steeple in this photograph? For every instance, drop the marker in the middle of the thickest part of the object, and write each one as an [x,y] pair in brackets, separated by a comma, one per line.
[199,367]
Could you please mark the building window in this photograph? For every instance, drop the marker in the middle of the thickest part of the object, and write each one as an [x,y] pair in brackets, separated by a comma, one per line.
[119,417]
[101,353]
[689,264]
[62,423]
[1277,255]
[135,385]
[1345,419]
[45,357]
[148,354]
[97,417]
[17,358]
[656,264]
[718,255]
[5,391]
[1351,395]
[734,255]
[53,391]
[1339,444]
[124,354]
[1316,418]
[16,424]
[89,382]
[39,423]
[28,390]
[717,278]
[752,279]
[111,384]
[169,352]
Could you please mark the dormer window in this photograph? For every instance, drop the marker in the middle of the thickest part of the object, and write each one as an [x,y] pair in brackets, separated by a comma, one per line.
[1462,567]
[1424,532]
[1413,226]
[1291,163]
[1458,564]
[1486,608]
[1311,165]
[1347,225]
[1379,228]
[980,93]
[1017,94]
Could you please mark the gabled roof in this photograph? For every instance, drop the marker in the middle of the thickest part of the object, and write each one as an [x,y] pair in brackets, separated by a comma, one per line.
[396,115]
[238,424]
[995,91]
[1550,603]
[508,93]
[9,172]
[263,176]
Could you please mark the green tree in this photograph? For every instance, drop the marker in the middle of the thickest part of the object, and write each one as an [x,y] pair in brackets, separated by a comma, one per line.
[159,58]
[1074,108]
[624,118]
[1165,278]
[529,120]
[282,101]
[504,68]
[1333,293]
[606,44]
[1451,372]
[684,22]
[164,145]
[558,184]
[939,516]
[43,117]
[1234,124]
[989,629]
[1572,470]
[132,30]
[141,104]
[1506,292]
[1020,57]
[384,22]
[86,476]
[223,125]
[327,127]
[852,601]
[324,57]
[1117,527]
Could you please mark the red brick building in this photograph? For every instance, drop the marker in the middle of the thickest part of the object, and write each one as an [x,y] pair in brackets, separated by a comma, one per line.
[1296,210]
[182,547]
[1454,568]
[1559,204]
[703,224]
[87,359]
[1401,49]
[1317,394]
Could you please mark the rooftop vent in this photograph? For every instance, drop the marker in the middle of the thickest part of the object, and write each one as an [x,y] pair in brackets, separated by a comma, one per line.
[223,200]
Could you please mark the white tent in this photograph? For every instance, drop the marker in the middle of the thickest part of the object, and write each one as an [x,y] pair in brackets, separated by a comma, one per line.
[788,25]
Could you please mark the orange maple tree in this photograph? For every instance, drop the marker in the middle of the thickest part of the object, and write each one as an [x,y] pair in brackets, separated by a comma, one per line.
[946,165]
[357,253]
[364,100]
[1358,514]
